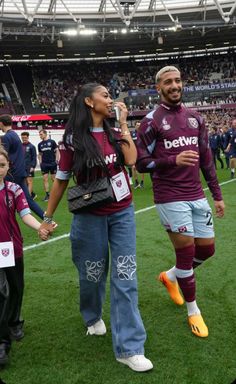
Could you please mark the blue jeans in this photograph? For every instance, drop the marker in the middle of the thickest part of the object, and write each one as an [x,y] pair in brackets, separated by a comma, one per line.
[91,237]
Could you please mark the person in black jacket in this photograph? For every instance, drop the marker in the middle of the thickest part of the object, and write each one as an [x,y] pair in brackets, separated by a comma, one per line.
[17,174]
[215,145]
[30,161]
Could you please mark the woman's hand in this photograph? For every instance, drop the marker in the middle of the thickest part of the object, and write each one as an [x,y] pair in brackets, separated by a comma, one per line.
[123,112]
[45,230]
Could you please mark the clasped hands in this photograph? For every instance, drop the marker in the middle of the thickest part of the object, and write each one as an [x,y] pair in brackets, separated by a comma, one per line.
[45,230]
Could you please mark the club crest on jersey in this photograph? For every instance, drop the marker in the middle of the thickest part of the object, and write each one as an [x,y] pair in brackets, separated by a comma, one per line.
[5,252]
[165,124]
[193,122]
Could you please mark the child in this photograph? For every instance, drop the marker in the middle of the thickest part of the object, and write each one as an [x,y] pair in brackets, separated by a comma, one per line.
[12,199]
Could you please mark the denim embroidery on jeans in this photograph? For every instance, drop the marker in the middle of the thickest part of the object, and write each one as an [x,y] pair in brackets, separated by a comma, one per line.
[94,270]
[126,267]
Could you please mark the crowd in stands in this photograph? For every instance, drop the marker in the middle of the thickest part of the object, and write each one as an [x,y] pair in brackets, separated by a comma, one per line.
[5,106]
[55,85]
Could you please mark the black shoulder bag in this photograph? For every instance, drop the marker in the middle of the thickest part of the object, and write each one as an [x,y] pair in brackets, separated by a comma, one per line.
[89,195]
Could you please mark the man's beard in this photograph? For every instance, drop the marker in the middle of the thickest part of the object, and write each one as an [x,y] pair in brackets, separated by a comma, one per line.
[167,96]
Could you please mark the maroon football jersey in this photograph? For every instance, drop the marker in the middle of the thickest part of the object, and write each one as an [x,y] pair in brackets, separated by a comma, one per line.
[8,223]
[163,134]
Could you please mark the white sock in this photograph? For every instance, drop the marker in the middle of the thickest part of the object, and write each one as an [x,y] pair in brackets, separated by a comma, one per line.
[171,274]
[192,308]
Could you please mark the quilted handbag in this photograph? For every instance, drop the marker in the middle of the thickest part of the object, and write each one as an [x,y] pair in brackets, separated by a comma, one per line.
[84,197]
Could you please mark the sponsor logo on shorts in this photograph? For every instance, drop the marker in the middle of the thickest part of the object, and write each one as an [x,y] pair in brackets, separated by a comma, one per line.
[182,229]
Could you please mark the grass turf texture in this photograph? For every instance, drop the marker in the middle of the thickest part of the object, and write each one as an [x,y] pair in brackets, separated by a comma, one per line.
[56,349]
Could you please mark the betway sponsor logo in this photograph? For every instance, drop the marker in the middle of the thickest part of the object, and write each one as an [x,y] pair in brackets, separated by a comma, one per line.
[182,141]
[110,159]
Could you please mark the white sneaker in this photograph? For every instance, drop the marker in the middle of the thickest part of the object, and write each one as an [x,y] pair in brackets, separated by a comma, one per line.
[137,363]
[98,328]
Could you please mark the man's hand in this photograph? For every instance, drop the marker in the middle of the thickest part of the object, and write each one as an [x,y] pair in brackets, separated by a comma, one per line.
[187,158]
[219,208]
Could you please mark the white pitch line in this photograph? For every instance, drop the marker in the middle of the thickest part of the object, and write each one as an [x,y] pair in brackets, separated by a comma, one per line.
[68,234]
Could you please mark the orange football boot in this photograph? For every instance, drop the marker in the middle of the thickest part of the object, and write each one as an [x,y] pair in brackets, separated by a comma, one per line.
[172,288]
[198,325]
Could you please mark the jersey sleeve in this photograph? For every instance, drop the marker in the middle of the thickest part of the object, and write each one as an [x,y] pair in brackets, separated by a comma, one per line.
[147,137]
[33,156]
[21,203]
[6,142]
[65,164]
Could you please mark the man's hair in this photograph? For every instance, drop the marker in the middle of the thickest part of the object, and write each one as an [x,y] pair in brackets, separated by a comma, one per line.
[4,153]
[6,120]
[167,68]
[25,134]
[44,131]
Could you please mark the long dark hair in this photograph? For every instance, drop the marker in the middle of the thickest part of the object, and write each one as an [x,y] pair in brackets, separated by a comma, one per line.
[78,133]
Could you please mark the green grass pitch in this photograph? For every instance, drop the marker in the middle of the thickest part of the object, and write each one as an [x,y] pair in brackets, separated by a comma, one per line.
[56,350]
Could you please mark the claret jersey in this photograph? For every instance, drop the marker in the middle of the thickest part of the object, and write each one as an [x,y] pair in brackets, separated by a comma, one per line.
[163,134]
[66,165]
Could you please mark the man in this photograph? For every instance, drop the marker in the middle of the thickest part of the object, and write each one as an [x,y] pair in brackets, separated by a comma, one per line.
[48,158]
[231,149]
[215,145]
[225,138]
[17,174]
[134,170]
[173,145]
[30,161]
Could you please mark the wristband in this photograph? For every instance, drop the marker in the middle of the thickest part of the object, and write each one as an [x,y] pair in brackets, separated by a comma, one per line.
[47,219]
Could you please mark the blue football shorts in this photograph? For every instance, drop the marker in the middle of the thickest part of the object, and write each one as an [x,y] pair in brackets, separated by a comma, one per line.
[190,218]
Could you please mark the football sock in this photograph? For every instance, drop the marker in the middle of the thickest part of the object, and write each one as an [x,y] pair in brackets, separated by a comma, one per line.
[171,274]
[202,253]
[192,308]
[184,272]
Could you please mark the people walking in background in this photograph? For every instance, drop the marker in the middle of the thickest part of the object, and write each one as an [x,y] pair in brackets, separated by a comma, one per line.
[225,138]
[90,149]
[173,145]
[215,145]
[231,149]
[48,155]
[17,174]
[12,200]
[30,161]
[135,176]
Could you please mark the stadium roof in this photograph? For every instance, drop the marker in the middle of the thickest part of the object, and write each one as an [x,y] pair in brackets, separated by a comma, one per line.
[74,29]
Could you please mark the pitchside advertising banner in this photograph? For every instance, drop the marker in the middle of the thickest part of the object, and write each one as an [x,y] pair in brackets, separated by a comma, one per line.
[40,117]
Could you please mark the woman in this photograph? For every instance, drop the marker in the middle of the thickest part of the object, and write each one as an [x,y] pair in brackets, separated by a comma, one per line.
[89,148]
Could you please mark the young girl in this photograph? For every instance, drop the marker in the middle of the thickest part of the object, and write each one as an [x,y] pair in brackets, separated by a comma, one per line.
[12,199]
